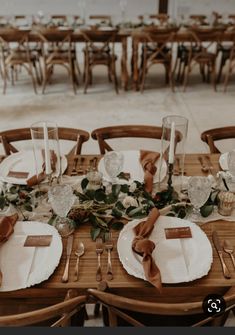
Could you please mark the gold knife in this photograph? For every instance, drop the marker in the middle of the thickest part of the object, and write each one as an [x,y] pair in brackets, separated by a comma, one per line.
[219,250]
[69,247]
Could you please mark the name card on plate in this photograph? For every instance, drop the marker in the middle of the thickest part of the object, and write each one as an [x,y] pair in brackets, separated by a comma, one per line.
[179,232]
[18,174]
[38,241]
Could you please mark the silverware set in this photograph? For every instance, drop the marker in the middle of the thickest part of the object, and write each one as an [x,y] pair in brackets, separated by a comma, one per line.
[226,247]
[78,252]
[206,164]
[100,247]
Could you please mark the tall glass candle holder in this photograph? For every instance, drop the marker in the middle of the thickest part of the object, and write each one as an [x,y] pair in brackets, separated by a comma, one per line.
[174,135]
[46,151]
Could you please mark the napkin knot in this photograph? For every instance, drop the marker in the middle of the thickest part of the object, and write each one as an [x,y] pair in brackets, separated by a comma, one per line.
[143,246]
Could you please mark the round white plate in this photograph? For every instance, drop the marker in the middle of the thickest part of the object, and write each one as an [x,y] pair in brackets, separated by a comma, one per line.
[23,161]
[26,266]
[133,166]
[179,260]
[223,161]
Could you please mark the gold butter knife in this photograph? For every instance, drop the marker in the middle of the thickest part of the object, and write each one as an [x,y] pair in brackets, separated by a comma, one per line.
[69,247]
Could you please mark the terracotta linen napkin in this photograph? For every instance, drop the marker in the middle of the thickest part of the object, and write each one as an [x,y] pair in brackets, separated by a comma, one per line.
[34,180]
[6,229]
[143,246]
[148,160]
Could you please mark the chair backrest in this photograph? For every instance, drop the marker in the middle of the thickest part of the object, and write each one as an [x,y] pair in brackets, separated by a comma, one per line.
[59,19]
[137,131]
[70,134]
[63,311]
[99,40]
[211,135]
[198,18]
[121,308]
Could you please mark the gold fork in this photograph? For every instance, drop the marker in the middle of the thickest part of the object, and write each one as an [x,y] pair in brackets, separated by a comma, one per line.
[109,248]
[99,250]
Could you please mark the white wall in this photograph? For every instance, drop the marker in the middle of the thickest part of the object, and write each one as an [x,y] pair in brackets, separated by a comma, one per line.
[134,7]
[185,7]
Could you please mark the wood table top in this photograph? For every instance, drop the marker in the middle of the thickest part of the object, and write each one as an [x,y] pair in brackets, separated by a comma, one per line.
[122,282]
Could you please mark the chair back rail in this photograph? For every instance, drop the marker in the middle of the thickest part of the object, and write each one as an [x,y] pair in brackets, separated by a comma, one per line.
[210,136]
[70,134]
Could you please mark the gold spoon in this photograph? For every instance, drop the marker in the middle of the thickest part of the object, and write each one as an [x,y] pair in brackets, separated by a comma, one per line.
[229,249]
[79,252]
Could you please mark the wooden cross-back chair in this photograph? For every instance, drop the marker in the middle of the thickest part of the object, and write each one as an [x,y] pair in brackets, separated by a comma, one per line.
[210,136]
[60,314]
[122,311]
[127,131]
[100,50]
[198,19]
[70,134]
[59,19]
[60,52]
[199,53]
[15,52]
[157,49]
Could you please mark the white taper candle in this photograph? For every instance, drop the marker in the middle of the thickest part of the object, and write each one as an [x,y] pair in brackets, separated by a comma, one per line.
[47,151]
[172,144]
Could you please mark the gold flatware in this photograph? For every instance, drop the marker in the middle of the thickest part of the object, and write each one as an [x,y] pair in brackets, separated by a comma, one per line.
[79,252]
[69,247]
[219,250]
[229,249]
[210,166]
[204,168]
[99,251]
[109,248]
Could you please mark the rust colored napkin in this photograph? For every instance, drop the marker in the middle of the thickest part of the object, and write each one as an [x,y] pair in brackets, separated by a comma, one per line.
[144,247]
[34,180]
[148,160]
[6,229]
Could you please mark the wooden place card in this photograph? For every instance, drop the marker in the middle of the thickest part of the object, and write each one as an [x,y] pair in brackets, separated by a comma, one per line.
[18,174]
[179,232]
[38,241]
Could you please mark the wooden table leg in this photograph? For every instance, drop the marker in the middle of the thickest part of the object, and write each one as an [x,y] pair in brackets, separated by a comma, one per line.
[135,75]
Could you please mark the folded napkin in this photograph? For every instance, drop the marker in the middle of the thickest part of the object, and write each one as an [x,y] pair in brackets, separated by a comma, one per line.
[144,247]
[6,229]
[37,179]
[148,160]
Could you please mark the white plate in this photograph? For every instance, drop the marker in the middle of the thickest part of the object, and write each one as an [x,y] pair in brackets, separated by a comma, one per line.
[179,260]
[27,266]
[223,161]
[133,166]
[23,161]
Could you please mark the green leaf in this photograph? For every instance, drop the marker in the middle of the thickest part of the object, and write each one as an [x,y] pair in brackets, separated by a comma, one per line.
[116,213]
[110,199]
[120,206]
[116,189]
[95,232]
[181,213]
[117,225]
[124,188]
[11,197]
[101,222]
[206,210]
[52,220]
[90,194]
[84,183]
[27,207]
[171,214]
[129,209]
[81,196]
[100,195]
[135,211]
[2,202]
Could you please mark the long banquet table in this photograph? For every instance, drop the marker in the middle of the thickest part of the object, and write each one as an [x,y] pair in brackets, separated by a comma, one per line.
[53,289]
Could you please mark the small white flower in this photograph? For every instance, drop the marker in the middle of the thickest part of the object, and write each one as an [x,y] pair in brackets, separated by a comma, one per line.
[132,187]
[129,201]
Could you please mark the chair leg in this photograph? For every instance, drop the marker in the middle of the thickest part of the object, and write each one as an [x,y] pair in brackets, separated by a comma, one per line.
[30,71]
[86,72]
[115,77]
[186,78]
[229,71]
[45,79]
[12,76]
[213,72]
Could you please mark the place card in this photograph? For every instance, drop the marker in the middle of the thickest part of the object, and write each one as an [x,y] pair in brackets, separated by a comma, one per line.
[38,241]
[179,232]
[18,174]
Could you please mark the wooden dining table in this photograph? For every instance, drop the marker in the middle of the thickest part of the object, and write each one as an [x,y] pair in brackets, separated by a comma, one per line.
[52,290]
